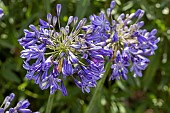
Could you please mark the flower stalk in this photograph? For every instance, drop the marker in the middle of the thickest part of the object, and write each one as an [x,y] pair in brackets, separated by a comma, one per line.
[94,99]
[50,103]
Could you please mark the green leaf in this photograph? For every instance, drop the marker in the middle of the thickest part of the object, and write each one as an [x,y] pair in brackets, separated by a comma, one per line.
[151,70]
[141,108]
[9,75]
[128,5]
[82,8]
[6,44]
[47,5]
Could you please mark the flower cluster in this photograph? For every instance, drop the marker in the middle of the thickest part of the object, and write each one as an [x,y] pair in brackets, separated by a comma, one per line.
[129,43]
[77,50]
[21,107]
[54,53]
[1,13]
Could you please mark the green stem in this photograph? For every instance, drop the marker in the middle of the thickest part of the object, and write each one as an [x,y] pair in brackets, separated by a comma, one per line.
[50,103]
[50,53]
[94,99]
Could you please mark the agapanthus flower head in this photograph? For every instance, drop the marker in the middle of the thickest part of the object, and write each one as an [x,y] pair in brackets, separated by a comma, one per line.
[1,12]
[21,107]
[52,55]
[124,36]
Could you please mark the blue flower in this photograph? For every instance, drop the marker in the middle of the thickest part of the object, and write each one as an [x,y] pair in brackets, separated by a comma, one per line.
[122,40]
[147,41]
[101,22]
[29,39]
[53,54]
[139,64]
[21,107]
[72,57]
[1,12]
[67,68]
[98,28]
[87,76]
[120,67]
[33,52]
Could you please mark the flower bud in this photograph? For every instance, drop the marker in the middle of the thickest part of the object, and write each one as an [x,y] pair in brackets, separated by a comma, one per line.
[75,20]
[70,19]
[58,8]
[54,20]
[112,4]
[49,17]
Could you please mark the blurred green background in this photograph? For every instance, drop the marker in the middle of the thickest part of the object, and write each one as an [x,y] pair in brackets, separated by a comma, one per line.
[149,94]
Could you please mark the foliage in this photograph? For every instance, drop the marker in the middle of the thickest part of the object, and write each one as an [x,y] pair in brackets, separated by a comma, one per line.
[148,94]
